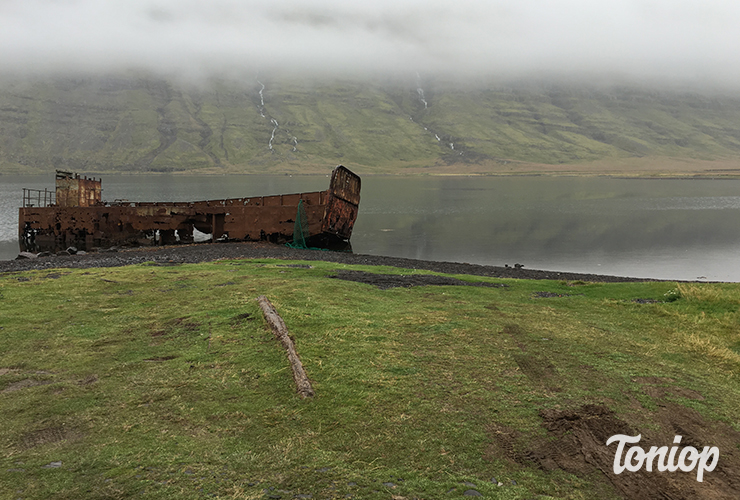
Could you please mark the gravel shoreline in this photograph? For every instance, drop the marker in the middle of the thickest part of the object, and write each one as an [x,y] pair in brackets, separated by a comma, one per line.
[204,252]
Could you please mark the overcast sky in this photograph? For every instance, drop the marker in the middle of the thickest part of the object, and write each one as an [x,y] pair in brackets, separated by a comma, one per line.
[686,40]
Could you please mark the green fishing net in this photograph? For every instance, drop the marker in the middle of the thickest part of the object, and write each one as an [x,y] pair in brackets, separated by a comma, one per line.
[300,229]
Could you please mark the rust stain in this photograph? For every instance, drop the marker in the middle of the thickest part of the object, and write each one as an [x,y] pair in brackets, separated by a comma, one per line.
[75,191]
[342,204]
[78,217]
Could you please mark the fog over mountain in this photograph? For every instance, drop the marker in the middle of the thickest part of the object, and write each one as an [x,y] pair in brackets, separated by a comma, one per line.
[671,41]
[293,86]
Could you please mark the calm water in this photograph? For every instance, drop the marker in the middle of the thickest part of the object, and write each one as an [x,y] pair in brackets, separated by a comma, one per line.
[669,229]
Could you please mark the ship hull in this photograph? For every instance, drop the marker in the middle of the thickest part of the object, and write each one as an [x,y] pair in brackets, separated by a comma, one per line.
[330,217]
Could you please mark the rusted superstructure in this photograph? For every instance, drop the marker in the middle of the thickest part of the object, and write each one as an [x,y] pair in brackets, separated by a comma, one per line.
[75,191]
[77,216]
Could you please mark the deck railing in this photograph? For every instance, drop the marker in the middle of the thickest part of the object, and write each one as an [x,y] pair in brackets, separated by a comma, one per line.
[38,198]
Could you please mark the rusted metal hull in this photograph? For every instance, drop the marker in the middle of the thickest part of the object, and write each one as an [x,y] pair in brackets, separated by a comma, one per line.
[331,216]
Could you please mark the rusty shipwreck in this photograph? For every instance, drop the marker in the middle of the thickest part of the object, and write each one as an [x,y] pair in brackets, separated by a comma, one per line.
[74,214]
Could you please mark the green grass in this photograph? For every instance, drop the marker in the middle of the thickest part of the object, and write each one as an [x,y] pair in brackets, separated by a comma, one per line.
[165,382]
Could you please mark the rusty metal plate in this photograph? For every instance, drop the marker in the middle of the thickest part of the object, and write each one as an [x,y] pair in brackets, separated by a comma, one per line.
[346,185]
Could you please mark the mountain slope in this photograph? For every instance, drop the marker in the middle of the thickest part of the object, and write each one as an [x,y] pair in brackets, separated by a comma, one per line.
[283,125]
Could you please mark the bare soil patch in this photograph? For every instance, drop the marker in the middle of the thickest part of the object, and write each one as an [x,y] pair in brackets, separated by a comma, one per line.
[241,318]
[24,384]
[549,295]
[653,380]
[645,301]
[577,444]
[386,281]
[188,326]
[47,435]
[536,368]
[158,359]
[90,379]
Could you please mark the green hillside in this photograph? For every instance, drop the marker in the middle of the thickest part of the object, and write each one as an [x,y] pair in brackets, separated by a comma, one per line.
[152,125]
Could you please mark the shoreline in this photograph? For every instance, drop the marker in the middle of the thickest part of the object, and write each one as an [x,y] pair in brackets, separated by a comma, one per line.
[630,167]
[657,176]
[208,252]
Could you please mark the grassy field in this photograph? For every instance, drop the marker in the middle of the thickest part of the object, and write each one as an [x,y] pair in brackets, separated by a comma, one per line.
[165,382]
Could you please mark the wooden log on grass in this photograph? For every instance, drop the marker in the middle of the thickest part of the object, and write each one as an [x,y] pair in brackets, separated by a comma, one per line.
[277,325]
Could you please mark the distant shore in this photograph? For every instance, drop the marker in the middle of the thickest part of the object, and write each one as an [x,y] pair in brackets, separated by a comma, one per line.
[647,167]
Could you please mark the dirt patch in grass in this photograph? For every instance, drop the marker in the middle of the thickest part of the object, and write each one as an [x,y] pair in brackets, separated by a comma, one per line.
[681,392]
[513,329]
[576,443]
[90,379]
[188,326]
[515,332]
[228,283]
[46,436]
[160,358]
[243,317]
[505,442]
[536,368]
[386,281]
[652,380]
[550,295]
[24,384]
[660,388]
[174,328]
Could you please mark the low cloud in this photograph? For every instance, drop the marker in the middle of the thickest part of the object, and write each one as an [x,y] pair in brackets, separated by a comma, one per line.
[667,40]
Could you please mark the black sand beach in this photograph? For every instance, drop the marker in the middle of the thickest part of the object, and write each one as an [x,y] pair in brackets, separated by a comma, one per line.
[181,254]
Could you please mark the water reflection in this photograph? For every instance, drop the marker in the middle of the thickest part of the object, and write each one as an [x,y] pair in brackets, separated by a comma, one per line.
[664,229]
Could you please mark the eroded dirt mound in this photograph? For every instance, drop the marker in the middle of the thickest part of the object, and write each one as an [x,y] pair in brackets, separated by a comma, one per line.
[386,281]
[577,445]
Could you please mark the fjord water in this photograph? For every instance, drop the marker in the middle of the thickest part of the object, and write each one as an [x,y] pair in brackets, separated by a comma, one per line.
[669,229]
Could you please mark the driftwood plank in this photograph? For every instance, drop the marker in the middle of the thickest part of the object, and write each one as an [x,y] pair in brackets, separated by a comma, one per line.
[277,325]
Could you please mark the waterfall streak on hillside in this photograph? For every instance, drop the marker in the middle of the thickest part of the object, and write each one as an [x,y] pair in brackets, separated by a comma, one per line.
[262,100]
[420,91]
[272,137]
